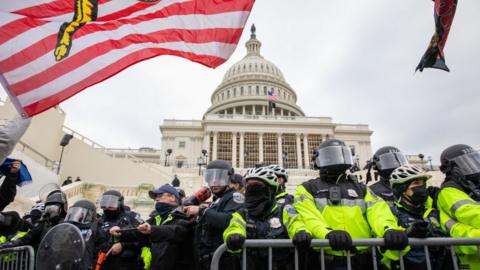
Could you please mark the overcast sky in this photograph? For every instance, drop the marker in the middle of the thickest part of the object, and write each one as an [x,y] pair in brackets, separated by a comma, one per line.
[351,60]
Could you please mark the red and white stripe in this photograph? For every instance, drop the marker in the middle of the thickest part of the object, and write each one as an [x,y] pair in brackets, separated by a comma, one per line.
[273,97]
[126,32]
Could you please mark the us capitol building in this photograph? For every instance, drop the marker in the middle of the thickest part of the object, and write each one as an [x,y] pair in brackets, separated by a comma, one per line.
[240,128]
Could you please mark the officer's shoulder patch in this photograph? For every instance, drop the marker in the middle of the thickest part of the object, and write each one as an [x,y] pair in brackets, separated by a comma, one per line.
[352,193]
[290,209]
[238,197]
[275,223]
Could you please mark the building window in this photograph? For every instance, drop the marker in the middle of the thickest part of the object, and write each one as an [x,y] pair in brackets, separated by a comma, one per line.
[241,91]
[314,141]
[250,154]
[181,144]
[238,149]
[289,151]
[270,148]
[258,91]
[228,94]
[224,146]
[223,97]
[249,90]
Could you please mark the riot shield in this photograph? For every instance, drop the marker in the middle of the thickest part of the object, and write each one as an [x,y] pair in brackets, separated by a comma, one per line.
[61,248]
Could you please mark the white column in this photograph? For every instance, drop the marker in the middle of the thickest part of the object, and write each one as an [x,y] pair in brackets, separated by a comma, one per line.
[234,149]
[263,110]
[243,110]
[299,152]
[214,150]
[279,149]
[306,162]
[242,151]
[260,147]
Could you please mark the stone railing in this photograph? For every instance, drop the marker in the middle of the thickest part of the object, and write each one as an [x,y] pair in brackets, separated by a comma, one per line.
[106,150]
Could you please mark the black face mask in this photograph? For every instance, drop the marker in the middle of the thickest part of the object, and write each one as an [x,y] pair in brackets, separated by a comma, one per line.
[331,173]
[257,199]
[220,193]
[109,214]
[163,209]
[419,196]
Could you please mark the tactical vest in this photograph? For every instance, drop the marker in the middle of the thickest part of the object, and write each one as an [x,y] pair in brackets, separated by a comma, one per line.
[269,227]
[347,192]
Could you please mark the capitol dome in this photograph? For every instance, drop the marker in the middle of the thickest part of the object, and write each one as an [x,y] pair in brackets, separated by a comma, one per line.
[244,87]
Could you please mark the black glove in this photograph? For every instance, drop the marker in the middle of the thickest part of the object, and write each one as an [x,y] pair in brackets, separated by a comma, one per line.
[302,240]
[235,241]
[418,229]
[339,240]
[395,239]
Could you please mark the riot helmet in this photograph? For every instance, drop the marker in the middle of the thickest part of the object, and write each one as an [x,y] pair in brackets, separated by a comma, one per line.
[82,213]
[218,173]
[112,205]
[460,158]
[56,205]
[333,157]
[112,199]
[387,159]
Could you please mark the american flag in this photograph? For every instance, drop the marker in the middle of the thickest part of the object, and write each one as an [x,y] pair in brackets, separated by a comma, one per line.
[271,96]
[272,99]
[52,49]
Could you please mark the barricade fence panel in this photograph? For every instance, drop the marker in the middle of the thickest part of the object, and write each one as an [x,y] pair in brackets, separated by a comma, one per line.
[17,258]
[371,243]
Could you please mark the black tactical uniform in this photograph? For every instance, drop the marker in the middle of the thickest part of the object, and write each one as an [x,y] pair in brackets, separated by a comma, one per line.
[129,257]
[211,224]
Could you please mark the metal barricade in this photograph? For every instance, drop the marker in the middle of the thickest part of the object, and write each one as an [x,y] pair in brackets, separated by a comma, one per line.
[368,242]
[17,258]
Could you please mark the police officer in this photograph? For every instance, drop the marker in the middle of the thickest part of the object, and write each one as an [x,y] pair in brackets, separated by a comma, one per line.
[119,255]
[384,161]
[262,218]
[83,215]
[213,219]
[283,198]
[338,208]
[458,200]
[56,206]
[409,187]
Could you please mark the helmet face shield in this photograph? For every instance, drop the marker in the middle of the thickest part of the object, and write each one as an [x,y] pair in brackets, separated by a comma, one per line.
[333,155]
[468,163]
[53,210]
[216,177]
[110,201]
[79,215]
[391,160]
